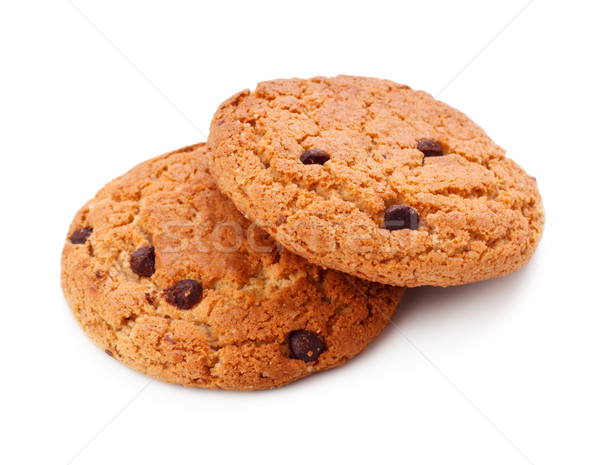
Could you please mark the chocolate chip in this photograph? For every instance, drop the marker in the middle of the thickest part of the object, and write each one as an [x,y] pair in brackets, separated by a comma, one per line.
[401,217]
[305,345]
[108,352]
[169,339]
[184,294]
[314,157]
[81,236]
[142,261]
[149,298]
[430,148]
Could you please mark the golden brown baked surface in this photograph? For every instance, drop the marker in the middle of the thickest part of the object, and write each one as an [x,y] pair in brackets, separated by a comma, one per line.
[164,273]
[318,162]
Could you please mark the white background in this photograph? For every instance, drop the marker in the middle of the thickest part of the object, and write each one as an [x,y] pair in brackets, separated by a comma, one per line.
[500,372]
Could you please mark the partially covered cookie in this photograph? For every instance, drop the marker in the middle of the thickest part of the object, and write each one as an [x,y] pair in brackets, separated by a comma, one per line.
[164,274]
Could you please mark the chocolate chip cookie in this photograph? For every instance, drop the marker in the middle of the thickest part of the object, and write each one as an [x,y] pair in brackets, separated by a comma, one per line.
[165,275]
[375,179]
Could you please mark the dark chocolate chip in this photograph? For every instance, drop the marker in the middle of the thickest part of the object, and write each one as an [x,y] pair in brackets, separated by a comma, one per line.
[305,345]
[184,294]
[142,261]
[430,148]
[314,157]
[108,352]
[149,298]
[401,217]
[81,236]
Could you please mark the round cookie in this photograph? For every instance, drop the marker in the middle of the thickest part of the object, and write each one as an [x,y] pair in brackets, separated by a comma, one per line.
[374,179]
[163,272]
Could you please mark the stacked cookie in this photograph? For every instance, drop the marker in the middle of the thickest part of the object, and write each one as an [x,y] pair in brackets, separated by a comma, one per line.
[283,247]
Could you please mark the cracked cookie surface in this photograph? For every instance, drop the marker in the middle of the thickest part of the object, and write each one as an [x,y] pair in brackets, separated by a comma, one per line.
[164,273]
[318,162]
